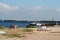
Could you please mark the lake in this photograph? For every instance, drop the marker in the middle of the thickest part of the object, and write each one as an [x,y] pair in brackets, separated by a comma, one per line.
[19,24]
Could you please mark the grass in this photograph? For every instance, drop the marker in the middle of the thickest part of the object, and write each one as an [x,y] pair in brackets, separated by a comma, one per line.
[1,27]
[27,30]
[55,32]
[13,35]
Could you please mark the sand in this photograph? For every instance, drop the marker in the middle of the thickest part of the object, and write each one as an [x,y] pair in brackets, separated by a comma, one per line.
[54,34]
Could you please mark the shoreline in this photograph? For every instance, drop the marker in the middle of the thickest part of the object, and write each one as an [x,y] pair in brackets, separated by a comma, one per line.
[22,34]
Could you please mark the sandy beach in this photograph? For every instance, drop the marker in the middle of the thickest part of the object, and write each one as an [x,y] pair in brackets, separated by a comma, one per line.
[54,34]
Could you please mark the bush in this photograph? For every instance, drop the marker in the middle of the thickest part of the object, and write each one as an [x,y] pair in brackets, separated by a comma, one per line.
[30,26]
[50,24]
[1,27]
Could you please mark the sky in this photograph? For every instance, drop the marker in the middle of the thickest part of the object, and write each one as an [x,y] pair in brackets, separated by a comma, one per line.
[31,10]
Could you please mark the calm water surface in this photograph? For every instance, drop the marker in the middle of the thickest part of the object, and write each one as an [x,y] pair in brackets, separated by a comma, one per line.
[19,24]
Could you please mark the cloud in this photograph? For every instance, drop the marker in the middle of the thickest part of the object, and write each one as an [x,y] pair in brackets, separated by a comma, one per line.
[46,8]
[58,10]
[7,7]
[38,8]
[35,13]
[47,13]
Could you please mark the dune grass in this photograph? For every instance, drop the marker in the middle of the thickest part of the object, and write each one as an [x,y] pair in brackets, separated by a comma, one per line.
[1,27]
[27,30]
[55,32]
[18,32]
[14,35]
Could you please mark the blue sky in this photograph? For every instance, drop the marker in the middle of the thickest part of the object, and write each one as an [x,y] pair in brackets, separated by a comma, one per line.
[29,9]
[32,3]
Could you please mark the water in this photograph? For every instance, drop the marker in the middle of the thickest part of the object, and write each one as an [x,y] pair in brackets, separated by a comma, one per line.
[19,24]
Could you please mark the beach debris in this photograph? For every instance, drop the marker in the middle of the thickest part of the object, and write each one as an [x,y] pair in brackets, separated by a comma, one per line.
[2,32]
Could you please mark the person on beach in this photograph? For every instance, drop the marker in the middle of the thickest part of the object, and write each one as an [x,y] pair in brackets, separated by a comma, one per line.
[42,28]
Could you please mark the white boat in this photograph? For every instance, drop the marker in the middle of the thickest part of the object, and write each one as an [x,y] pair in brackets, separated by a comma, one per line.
[38,24]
